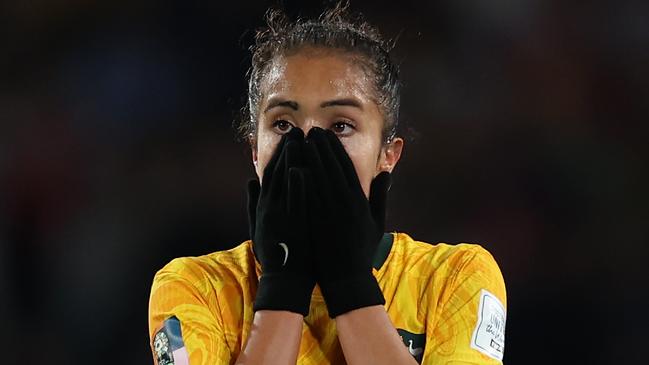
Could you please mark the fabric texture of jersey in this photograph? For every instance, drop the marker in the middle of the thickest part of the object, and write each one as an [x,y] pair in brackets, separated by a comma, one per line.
[443,299]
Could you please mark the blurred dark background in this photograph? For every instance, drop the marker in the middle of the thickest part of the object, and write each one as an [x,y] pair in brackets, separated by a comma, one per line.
[117,154]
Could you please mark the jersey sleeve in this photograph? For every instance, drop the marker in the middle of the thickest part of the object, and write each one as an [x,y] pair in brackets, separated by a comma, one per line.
[183,328]
[468,326]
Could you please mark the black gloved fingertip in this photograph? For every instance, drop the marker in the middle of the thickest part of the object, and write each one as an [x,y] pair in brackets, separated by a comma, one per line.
[314,132]
[295,133]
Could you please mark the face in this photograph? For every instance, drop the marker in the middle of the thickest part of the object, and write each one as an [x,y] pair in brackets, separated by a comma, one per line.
[315,88]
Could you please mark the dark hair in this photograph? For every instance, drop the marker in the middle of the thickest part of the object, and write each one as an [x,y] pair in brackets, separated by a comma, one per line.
[337,30]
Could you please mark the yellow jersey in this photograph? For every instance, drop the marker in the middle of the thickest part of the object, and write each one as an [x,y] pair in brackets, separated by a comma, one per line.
[447,302]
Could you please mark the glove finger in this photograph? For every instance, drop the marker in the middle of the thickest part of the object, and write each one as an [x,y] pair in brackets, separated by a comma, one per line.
[294,158]
[329,164]
[296,196]
[253,199]
[271,190]
[379,197]
[272,163]
[290,153]
[344,161]
[314,200]
[279,185]
[274,186]
[320,181]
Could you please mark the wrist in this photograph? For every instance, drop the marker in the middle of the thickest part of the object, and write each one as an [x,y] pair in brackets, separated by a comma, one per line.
[274,338]
[284,292]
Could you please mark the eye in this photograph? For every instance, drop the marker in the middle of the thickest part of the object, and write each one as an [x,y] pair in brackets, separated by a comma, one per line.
[343,128]
[282,126]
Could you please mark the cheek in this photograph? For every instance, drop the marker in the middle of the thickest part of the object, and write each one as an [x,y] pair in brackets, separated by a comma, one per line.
[364,154]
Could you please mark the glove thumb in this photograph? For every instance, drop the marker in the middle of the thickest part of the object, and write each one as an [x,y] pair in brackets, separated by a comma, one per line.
[253,198]
[379,197]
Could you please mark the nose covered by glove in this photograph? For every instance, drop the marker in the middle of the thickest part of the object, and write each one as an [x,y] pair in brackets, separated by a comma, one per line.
[278,228]
[312,222]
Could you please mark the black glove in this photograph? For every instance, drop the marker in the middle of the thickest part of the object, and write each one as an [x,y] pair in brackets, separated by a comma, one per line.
[278,228]
[345,228]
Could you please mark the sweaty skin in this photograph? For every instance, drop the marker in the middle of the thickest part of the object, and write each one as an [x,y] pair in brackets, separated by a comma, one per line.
[326,89]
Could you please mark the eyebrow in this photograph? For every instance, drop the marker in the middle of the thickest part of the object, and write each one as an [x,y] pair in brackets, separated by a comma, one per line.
[275,102]
[342,102]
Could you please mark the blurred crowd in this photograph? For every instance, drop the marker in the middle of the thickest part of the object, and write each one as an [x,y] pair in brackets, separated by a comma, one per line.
[526,126]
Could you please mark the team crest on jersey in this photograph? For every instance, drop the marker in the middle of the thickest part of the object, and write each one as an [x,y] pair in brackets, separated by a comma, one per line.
[416,343]
[168,346]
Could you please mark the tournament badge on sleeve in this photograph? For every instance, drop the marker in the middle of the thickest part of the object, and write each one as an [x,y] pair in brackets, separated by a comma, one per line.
[168,346]
[489,333]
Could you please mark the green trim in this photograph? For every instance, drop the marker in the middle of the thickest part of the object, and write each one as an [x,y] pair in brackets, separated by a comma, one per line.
[383,250]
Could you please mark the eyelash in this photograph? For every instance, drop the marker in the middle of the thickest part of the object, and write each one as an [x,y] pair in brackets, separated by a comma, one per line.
[343,123]
[282,121]
[276,124]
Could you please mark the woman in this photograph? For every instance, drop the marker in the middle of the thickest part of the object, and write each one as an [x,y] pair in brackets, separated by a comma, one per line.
[319,282]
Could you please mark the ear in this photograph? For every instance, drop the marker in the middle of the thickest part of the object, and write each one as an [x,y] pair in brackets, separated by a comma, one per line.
[390,155]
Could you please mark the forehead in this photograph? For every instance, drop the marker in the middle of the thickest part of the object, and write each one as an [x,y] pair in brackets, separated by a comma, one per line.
[317,74]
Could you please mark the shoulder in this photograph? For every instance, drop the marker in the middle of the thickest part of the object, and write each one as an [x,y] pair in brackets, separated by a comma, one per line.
[453,257]
[448,267]
[235,262]
[188,297]
[193,288]
[462,298]
[209,272]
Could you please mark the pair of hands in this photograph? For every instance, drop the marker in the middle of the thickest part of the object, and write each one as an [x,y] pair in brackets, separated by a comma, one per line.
[311,222]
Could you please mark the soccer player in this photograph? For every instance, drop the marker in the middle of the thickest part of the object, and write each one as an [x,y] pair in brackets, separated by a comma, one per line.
[320,282]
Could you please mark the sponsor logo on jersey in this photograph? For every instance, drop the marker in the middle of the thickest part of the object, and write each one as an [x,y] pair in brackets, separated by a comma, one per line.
[285,247]
[416,343]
